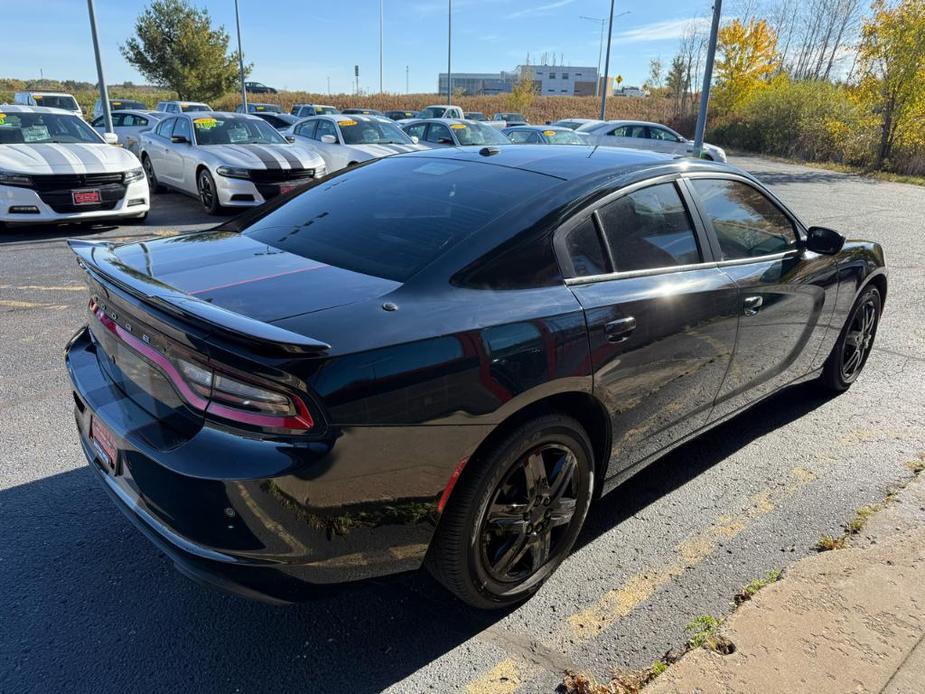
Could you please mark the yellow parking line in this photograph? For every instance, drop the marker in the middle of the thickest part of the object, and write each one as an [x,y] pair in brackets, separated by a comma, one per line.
[619,602]
[503,678]
[47,288]
[14,303]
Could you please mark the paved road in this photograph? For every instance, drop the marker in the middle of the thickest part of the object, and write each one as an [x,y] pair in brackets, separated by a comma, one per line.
[87,605]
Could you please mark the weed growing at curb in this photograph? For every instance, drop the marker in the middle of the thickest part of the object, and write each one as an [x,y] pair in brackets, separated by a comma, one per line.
[827,543]
[704,635]
[623,682]
[749,590]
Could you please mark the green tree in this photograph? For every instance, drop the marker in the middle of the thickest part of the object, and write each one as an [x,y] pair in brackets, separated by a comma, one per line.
[521,96]
[175,46]
[892,59]
[747,59]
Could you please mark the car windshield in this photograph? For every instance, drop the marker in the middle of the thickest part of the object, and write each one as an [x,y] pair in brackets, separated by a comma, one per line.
[195,107]
[265,108]
[518,117]
[68,103]
[476,116]
[43,128]
[321,110]
[587,127]
[394,216]
[562,137]
[478,134]
[232,130]
[372,132]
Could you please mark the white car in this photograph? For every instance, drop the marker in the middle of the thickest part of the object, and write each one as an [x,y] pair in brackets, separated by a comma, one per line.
[225,159]
[117,105]
[61,100]
[442,111]
[128,125]
[181,106]
[581,124]
[643,135]
[453,132]
[345,140]
[55,168]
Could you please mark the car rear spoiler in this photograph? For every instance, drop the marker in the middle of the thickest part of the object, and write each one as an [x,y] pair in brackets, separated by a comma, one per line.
[97,260]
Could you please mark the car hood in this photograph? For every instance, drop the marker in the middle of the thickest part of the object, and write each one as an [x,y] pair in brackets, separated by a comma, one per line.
[248,277]
[37,159]
[286,156]
[385,150]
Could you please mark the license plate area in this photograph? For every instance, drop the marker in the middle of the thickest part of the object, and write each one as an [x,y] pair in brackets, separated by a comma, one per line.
[86,197]
[104,445]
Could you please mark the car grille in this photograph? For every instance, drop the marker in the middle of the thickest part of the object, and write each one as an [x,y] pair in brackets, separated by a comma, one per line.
[55,190]
[280,175]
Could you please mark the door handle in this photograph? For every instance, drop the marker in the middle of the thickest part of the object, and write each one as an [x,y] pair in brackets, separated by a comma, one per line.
[620,330]
[751,305]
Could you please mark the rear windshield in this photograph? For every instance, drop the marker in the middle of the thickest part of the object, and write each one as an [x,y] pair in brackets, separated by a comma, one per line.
[66,102]
[394,216]
[563,137]
[372,132]
[121,104]
[195,107]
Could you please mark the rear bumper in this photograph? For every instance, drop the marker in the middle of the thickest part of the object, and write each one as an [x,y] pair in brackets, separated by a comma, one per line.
[257,517]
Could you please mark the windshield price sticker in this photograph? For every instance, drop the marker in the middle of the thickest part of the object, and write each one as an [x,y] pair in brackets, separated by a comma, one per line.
[549,133]
[2,119]
[457,126]
[35,133]
[205,123]
[346,123]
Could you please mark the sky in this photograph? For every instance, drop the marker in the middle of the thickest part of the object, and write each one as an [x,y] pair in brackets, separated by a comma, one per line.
[301,44]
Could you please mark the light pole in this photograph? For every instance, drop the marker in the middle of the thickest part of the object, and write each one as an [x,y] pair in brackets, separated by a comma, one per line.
[707,78]
[104,92]
[449,53]
[406,79]
[600,50]
[607,61]
[380,46]
[237,21]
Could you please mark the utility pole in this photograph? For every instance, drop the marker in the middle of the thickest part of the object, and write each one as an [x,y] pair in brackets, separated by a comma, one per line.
[104,92]
[237,21]
[707,79]
[449,54]
[607,61]
[380,45]
[329,85]
[600,50]
[406,80]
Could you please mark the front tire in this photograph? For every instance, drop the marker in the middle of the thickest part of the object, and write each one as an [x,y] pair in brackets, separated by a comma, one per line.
[208,194]
[153,185]
[855,343]
[516,513]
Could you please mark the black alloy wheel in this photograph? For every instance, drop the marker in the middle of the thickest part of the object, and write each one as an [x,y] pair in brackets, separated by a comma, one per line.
[208,195]
[153,185]
[514,518]
[855,343]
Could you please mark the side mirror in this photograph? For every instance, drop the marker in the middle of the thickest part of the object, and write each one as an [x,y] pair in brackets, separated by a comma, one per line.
[179,139]
[824,241]
[445,141]
[329,139]
[415,139]
[290,139]
[110,138]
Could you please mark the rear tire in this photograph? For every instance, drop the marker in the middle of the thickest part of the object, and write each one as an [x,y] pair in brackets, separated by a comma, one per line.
[854,344]
[515,514]
[153,185]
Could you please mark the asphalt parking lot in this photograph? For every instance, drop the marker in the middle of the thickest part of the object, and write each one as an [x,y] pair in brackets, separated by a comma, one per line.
[88,605]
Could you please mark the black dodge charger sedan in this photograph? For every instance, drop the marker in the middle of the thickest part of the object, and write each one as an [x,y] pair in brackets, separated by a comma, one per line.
[444,357]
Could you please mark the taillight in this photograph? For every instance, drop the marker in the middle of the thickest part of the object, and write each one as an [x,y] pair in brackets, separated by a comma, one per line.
[218,393]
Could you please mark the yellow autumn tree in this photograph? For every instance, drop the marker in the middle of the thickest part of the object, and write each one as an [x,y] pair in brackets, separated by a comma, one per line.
[892,60]
[747,57]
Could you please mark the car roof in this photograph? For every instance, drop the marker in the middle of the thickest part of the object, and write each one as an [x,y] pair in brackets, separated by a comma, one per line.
[42,91]
[19,108]
[440,120]
[363,117]
[528,126]
[141,112]
[574,162]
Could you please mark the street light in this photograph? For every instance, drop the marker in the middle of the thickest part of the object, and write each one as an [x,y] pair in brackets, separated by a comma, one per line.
[237,21]
[380,46]
[600,50]
[607,61]
[104,92]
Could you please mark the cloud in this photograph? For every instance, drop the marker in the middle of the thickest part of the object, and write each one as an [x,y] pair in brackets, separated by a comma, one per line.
[542,9]
[662,31]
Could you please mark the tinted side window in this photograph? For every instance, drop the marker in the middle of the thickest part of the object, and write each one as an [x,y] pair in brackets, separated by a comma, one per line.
[439,134]
[629,131]
[662,134]
[583,245]
[416,130]
[98,122]
[519,136]
[747,224]
[325,127]
[165,127]
[649,228]
[307,129]
[181,127]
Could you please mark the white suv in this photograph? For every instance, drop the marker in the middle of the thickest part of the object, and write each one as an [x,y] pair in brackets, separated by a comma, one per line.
[181,106]
[60,100]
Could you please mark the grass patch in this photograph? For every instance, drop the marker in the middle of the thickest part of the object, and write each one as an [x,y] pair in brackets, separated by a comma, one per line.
[827,543]
[917,465]
[704,634]
[856,524]
[748,591]
[623,682]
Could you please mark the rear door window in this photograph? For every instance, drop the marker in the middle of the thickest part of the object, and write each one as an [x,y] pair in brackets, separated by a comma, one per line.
[165,127]
[439,134]
[585,252]
[325,127]
[649,228]
[746,223]
[307,129]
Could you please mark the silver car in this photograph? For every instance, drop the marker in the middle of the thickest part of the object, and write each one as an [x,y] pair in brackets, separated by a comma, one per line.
[225,159]
[128,125]
[454,132]
[347,140]
[642,135]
